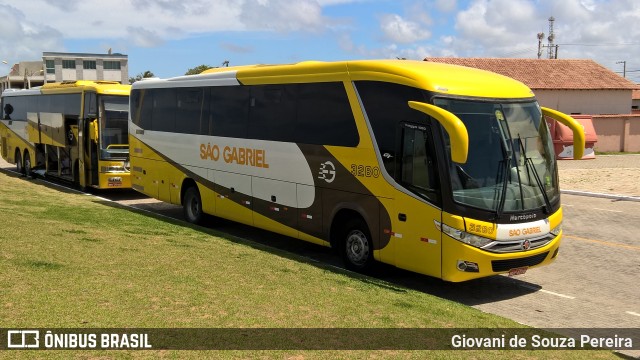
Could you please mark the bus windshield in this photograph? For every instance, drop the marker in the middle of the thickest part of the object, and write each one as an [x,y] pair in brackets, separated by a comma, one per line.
[114,133]
[511,162]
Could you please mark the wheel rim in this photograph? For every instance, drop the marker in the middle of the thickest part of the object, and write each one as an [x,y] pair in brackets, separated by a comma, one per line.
[194,208]
[18,160]
[27,164]
[357,247]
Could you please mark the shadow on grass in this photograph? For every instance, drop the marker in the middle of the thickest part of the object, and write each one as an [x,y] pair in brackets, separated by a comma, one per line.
[474,292]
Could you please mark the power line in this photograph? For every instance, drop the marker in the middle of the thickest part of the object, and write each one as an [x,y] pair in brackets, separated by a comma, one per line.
[622,44]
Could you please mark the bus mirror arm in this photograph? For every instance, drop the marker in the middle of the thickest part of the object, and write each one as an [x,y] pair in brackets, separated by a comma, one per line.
[571,123]
[93,130]
[452,125]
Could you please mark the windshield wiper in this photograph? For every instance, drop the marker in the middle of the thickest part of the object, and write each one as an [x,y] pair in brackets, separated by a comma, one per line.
[507,160]
[529,163]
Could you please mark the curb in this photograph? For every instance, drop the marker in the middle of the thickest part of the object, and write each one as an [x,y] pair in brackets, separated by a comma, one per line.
[601,195]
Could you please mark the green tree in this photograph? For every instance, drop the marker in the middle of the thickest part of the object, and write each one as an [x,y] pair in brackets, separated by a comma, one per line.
[198,69]
[146,74]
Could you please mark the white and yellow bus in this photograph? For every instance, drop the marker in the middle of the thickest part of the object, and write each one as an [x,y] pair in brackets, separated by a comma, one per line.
[443,170]
[75,131]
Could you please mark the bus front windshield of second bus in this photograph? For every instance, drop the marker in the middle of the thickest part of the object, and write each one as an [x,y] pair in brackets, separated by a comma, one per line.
[114,136]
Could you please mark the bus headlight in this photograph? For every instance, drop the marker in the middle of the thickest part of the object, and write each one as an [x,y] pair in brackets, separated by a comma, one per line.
[463,236]
[556,230]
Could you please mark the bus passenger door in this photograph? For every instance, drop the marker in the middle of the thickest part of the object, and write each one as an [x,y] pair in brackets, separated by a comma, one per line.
[415,235]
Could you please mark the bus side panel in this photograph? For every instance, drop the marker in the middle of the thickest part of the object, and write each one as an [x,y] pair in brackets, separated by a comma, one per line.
[13,135]
[281,210]
[234,200]
[310,218]
[143,161]
[52,129]
[207,195]
[418,240]
[367,206]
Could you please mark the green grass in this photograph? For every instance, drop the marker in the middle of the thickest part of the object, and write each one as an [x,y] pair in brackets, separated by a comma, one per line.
[69,260]
[616,152]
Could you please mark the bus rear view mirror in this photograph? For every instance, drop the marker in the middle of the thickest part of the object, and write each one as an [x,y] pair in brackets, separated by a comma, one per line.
[93,130]
[571,123]
[452,125]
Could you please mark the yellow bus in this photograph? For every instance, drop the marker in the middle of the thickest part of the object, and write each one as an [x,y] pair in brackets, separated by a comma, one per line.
[443,170]
[74,131]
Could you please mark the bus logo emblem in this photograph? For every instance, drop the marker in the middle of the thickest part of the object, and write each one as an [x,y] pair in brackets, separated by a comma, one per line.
[327,172]
[526,245]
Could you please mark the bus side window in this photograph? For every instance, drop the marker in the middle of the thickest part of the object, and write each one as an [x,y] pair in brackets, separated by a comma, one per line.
[385,105]
[90,105]
[189,111]
[164,110]
[418,169]
[229,109]
[324,115]
[272,113]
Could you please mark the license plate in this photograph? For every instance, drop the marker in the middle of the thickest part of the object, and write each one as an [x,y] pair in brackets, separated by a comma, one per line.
[518,271]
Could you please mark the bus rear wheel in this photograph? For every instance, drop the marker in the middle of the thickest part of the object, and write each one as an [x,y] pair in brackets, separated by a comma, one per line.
[192,205]
[356,247]
[27,164]
[18,158]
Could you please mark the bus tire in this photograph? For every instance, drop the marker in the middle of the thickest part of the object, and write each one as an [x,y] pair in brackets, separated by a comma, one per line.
[356,247]
[26,164]
[192,205]
[18,159]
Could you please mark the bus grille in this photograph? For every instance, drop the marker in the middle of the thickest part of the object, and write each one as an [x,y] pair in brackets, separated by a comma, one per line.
[505,265]
[516,246]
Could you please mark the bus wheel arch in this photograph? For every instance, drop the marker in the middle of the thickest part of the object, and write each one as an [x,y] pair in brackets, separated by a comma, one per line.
[351,236]
[191,202]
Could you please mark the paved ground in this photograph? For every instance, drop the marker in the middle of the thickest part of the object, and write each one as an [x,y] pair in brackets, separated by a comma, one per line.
[607,174]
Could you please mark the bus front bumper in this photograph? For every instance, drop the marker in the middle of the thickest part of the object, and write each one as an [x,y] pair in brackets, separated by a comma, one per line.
[461,262]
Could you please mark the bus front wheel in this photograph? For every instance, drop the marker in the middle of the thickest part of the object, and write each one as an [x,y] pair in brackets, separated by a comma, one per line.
[356,246]
[192,205]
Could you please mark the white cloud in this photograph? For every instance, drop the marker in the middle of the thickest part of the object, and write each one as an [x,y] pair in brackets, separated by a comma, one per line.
[24,40]
[446,5]
[398,29]
[142,37]
[283,15]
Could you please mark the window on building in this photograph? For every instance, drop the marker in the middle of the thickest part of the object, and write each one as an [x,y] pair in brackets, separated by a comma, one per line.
[111,65]
[68,64]
[51,66]
[89,64]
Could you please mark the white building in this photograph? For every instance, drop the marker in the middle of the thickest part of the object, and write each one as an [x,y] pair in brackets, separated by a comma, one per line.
[59,66]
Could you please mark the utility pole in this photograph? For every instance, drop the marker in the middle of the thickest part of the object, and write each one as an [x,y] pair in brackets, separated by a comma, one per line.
[624,68]
[552,49]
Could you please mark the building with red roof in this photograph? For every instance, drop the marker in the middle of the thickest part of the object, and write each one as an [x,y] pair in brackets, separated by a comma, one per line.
[573,86]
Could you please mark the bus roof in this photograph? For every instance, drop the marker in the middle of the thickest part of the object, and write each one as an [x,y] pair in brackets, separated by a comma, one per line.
[20,92]
[99,86]
[436,77]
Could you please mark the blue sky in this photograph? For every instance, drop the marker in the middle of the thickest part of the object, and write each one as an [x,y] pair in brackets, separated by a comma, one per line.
[168,37]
